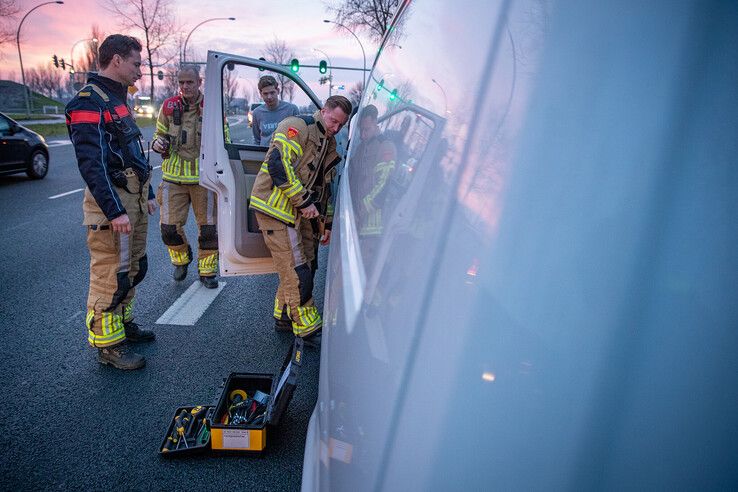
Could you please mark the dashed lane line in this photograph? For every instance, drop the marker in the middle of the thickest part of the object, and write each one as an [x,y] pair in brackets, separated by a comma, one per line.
[67,193]
[191,305]
[77,190]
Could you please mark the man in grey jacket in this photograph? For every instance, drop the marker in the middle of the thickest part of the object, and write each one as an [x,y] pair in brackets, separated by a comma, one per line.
[267,116]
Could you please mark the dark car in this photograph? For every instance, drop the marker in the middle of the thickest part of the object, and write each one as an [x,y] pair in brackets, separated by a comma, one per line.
[22,150]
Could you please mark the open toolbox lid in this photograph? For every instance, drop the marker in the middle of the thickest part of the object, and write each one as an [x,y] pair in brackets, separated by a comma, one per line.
[283,386]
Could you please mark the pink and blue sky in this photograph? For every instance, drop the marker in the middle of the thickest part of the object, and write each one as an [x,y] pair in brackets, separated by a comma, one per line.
[53,29]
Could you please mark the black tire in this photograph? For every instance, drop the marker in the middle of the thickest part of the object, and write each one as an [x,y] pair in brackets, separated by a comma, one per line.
[38,165]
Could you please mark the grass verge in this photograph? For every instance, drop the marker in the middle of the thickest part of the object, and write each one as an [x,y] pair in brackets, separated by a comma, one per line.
[57,130]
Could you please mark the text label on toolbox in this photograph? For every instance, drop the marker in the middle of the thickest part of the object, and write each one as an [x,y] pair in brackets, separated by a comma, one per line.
[235,438]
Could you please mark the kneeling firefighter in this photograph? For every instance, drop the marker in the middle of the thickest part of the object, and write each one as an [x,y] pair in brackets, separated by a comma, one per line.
[178,134]
[290,194]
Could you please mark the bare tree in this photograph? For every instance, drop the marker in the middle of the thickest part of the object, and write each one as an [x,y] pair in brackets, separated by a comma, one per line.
[155,21]
[230,86]
[45,80]
[277,52]
[372,16]
[171,84]
[8,9]
[355,93]
[89,61]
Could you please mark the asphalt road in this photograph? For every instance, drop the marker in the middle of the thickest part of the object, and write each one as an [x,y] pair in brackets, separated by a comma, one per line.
[70,423]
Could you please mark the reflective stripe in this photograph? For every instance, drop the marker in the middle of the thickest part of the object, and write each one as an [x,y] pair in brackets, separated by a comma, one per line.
[161,127]
[82,116]
[294,238]
[128,311]
[179,170]
[112,329]
[277,308]
[124,262]
[208,265]
[263,206]
[179,257]
[307,320]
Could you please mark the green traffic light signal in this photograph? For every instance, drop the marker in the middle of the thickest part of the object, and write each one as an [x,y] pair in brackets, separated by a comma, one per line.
[261,69]
[393,95]
[295,65]
[323,66]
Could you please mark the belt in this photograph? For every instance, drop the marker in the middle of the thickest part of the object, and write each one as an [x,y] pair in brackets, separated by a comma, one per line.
[99,227]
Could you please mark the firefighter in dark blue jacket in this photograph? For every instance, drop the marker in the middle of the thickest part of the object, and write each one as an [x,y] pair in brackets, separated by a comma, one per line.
[118,197]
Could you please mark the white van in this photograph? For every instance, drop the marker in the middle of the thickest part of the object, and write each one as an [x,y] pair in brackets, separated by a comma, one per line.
[550,301]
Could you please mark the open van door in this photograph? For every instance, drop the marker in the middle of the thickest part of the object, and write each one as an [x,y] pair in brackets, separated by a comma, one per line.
[230,158]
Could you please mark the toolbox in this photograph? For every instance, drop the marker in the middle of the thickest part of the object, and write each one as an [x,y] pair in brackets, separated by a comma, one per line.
[248,405]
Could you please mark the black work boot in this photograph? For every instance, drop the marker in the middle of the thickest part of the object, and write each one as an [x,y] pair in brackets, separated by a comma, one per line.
[282,325]
[209,282]
[180,272]
[135,334]
[121,357]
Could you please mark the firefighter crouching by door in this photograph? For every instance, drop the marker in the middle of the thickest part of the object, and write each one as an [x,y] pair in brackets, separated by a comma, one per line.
[178,134]
[290,193]
[118,195]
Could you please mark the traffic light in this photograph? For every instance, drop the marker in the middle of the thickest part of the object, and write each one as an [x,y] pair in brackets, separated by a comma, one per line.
[63,65]
[261,69]
[55,59]
[295,65]
[393,95]
[323,66]
[160,75]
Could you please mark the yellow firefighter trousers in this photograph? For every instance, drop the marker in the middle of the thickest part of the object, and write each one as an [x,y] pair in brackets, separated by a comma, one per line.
[293,251]
[117,263]
[174,200]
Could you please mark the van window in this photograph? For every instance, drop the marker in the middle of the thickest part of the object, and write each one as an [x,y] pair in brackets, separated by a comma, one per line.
[243,104]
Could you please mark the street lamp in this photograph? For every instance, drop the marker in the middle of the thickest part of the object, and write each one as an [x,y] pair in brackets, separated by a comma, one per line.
[184,51]
[330,76]
[445,100]
[71,52]
[20,58]
[358,41]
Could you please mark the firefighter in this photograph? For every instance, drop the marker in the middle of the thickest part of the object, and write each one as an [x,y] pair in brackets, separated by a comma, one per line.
[290,198]
[375,157]
[178,133]
[111,160]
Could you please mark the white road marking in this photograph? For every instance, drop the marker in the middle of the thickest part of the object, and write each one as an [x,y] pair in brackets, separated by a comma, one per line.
[67,193]
[58,143]
[80,189]
[191,305]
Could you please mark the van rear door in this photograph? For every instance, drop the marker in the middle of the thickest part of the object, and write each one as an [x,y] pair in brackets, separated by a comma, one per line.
[230,158]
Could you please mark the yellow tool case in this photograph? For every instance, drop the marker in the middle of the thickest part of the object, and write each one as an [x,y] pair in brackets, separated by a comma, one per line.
[248,404]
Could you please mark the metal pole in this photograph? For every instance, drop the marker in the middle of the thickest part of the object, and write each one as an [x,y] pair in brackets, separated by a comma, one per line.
[20,57]
[360,45]
[330,77]
[184,50]
[71,52]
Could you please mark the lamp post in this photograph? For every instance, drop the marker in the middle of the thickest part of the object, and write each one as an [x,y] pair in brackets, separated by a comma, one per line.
[71,52]
[445,100]
[20,58]
[358,41]
[184,51]
[330,64]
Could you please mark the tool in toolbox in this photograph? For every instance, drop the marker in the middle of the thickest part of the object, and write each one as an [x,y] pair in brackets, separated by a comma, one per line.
[248,405]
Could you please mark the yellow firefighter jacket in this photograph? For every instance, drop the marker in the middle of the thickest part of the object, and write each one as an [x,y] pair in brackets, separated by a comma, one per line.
[297,171]
[181,124]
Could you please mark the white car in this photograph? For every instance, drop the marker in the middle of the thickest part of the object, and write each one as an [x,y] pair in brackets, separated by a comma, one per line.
[550,302]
